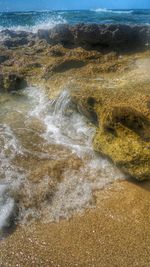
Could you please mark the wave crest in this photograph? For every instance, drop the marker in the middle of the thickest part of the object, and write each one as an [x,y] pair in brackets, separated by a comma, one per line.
[113,11]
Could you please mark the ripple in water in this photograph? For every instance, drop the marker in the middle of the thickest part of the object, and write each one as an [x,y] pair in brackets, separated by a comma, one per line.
[48,169]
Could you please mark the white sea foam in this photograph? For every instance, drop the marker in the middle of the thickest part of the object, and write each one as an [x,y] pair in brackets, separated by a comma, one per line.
[65,126]
[113,11]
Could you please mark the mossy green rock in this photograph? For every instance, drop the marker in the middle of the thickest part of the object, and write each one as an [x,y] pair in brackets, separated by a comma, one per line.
[122,118]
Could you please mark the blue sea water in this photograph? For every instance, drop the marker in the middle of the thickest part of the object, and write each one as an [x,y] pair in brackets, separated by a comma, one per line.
[32,21]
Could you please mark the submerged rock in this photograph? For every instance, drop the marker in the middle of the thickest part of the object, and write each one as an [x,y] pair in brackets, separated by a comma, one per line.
[12,82]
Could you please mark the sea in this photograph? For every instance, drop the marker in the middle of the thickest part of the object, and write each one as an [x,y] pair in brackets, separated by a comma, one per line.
[32,21]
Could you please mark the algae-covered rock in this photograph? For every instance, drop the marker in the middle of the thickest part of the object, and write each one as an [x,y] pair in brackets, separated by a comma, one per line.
[122,117]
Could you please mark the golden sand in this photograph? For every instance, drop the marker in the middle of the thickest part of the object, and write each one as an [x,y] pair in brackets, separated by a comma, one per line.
[116,233]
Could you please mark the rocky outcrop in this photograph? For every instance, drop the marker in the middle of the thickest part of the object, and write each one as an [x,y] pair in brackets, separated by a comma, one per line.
[12,39]
[107,36]
[122,118]
[97,35]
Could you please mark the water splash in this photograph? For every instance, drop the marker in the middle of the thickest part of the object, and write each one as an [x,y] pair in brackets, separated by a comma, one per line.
[47,162]
[30,21]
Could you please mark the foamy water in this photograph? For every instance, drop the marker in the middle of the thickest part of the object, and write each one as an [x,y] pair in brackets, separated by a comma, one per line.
[48,169]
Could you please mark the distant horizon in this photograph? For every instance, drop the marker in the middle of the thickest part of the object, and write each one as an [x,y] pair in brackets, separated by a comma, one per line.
[63,5]
[61,10]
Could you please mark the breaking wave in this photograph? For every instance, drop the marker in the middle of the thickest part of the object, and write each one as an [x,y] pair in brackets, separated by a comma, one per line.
[48,169]
[30,21]
[113,11]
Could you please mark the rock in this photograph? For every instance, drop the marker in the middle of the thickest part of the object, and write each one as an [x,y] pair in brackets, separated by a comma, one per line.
[9,43]
[61,34]
[43,34]
[124,36]
[57,51]
[122,119]
[34,65]
[65,65]
[13,82]
[57,35]
[1,82]
[14,34]
[3,58]
[86,34]
[12,39]
[107,36]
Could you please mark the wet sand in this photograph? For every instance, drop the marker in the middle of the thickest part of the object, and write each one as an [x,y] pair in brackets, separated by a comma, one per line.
[116,233]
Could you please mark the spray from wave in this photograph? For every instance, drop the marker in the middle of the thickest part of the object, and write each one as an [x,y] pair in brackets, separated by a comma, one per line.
[30,21]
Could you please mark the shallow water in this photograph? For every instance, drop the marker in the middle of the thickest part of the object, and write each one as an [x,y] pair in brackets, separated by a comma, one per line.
[48,169]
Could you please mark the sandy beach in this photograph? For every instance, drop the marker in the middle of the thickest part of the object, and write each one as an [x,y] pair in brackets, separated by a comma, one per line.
[115,233]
